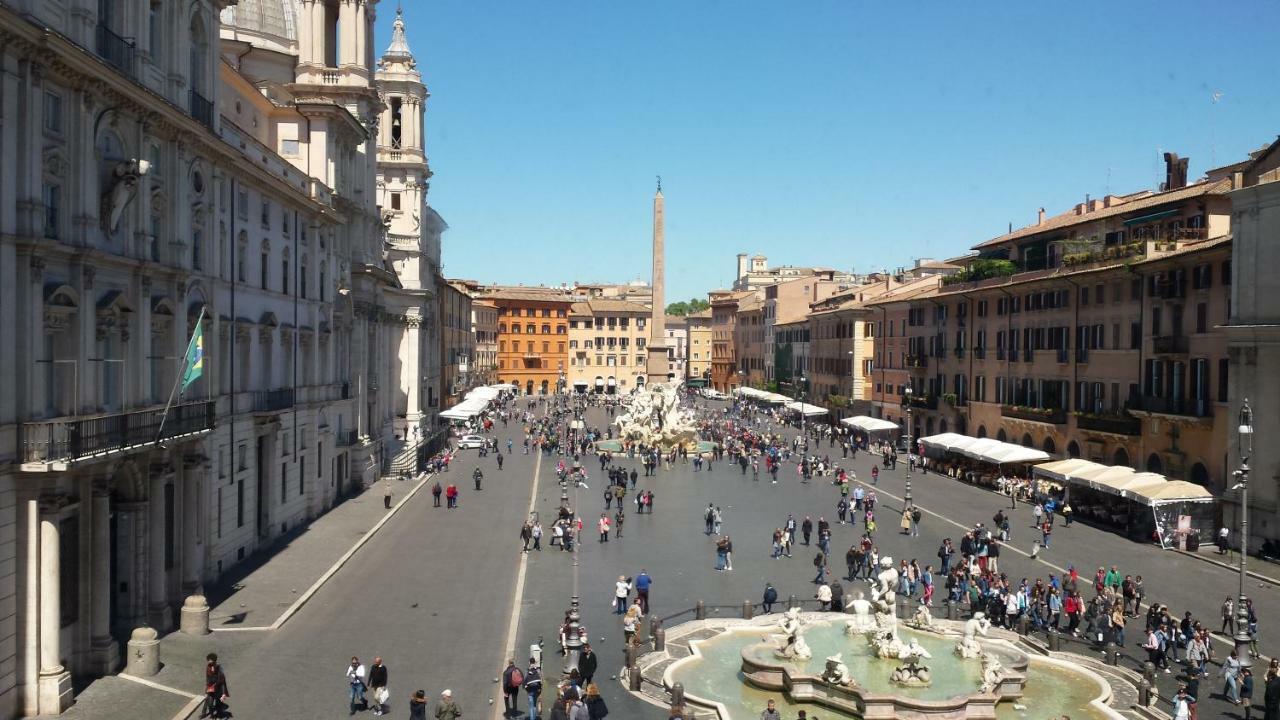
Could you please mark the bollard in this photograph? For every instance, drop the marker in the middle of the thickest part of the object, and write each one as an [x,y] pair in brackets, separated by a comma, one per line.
[629,656]
[195,616]
[951,610]
[655,624]
[748,610]
[677,695]
[144,653]
[633,678]
[1144,693]
[700,612]
[660,640]
[1024,624]
[1149,672]
[792,603]
[1055,640]
[1112,656]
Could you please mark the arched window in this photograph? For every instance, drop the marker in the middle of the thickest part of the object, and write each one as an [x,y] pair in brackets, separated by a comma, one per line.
[199,52]
[982,431]
[1073,449]
[1027,441]
[942,426]
[1154,464]
[1121,458]
[1001,436]
[1200,475]
[1049,446]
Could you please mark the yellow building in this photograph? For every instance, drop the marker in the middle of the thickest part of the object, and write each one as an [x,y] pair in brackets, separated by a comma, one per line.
[699,348]
[607,345]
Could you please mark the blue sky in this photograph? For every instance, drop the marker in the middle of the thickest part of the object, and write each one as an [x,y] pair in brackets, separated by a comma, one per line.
[855,135]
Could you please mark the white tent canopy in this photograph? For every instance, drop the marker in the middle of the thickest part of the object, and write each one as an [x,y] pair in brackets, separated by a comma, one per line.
[485,393]
[869,424]
[984,449]
[762,395]
[806,409]
[1143,487]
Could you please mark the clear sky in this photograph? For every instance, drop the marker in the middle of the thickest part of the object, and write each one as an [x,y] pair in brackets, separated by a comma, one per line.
[855,135]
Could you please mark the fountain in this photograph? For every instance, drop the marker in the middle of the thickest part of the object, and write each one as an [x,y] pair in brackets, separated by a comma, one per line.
[814,661]
[653,417]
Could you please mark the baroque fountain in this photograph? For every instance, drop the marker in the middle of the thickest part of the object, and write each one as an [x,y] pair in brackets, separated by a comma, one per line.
[865,663]
[653,418]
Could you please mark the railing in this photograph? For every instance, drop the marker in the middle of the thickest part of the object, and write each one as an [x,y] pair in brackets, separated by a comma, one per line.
[1013,354]
[329,76]
[202,109]
[75,438]
[1169,345]
[117,51]
[1172,406]
[1056,416]
[1082,355]
[980,353]
[917,361]
[1028,355]
[1125,424]
[924,402]
[959,352]
[273,400]
[1000,353]
[347,438]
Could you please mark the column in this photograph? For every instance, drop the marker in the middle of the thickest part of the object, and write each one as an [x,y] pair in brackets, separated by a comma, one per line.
[193,473]
[106,653]
[361,39]
[31,608]
[55,681]
[305,40]
[347,33]
[158,615]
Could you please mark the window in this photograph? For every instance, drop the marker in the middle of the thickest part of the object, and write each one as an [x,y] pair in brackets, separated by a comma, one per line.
[242,204]
[322,281]
[395,201]
[1202,277]
[52,195]
[266,213]
[1135,335]
[1222,380]
[264,269]
[302,279]
[197,250]
[53,112]
[284,274]
[1226,272]
[155,29]
[1202,317]
[289,148]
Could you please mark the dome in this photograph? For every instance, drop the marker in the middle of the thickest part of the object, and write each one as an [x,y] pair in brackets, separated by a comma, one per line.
[274,18]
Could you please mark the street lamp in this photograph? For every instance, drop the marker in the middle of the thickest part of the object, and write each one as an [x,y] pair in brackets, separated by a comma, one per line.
[1242,476]
[907,396]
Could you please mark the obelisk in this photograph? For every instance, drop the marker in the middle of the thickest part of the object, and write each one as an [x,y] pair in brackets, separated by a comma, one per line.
[657,367]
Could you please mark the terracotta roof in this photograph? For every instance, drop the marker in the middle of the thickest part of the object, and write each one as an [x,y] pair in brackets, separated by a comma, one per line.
[579,309]
[611,306]
[751,303]
[1129,203]
[528,295]
[676,321]
[701,314]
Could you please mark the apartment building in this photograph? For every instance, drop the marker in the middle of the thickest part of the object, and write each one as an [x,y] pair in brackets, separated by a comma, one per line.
[533,337]
[677,333]
[484,330]
[457,342]
[748,341]
[607,340]
[754,273]
[699,345]
[789,302]
[724,318]
[1105,343]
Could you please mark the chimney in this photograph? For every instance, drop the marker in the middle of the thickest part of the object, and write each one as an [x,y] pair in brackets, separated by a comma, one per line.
[1108,200]
[1095,205]
[1040,220]
[1175,171]
[1079,208]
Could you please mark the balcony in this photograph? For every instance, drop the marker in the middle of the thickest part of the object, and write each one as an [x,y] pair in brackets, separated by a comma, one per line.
[1172,406]
[1054,416]
[1117,424]
[115,50]
[266,401]
[347,438]
[77,438]
[1169,345]
[202,109]
[924,402]
[918,361]
[531,356]
[980,353]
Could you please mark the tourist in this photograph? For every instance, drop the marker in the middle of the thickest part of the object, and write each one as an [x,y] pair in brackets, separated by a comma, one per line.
[418,706]
[1231,677]
[1246,692]
[770,597]
[215,688]
[447,709]
[1271,698]
[377,681]
[728,553]
[642,583]
[596,709]
[823,596]
[1182,703]
[587,663]
[533,688]
[622,588]
[436,491]
[603,527]
[512,683]
[355,683]
[770,712]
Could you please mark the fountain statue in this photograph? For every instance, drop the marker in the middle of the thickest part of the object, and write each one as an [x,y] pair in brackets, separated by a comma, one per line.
[791,644]
[863,620]
[922,619]
[884,592]
[654,417]
[912,672]
[884,637]
[992,672]
[968,646]
[837,673]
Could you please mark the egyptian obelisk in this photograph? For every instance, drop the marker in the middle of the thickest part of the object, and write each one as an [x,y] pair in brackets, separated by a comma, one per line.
[657,366]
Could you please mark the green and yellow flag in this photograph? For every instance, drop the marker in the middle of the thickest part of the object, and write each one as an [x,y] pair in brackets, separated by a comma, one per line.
[195,358]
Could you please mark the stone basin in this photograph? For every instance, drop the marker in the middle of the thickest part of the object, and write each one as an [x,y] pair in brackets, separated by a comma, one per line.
[615,446]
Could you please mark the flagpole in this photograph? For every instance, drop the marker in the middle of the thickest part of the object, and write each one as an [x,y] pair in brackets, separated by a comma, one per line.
[178,375]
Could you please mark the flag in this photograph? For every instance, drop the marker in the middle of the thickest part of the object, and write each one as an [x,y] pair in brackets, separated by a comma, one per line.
[195,358]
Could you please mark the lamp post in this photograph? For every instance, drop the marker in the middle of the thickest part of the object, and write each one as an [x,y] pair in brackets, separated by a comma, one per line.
[1242,477]
[910,447]
[800,398]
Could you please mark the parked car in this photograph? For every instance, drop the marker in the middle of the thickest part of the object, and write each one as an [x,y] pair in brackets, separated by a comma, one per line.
[712,394]
[471,442]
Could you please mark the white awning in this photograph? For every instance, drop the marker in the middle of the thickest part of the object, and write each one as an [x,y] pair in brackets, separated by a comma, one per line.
[984,449]
[806,409]
[1144,487]
[484,393]
[869,424]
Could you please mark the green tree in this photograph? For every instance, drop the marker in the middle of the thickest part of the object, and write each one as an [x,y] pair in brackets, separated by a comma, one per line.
[683,308]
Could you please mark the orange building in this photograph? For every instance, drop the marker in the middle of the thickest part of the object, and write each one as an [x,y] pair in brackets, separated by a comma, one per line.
[533,338]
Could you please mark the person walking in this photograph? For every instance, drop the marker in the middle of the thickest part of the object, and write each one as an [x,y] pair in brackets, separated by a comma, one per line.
[622,589]
[512,683]
[436,492]
[215,688]
[355,682]
[806,529]
[588,662]
[378,685]
[447,709]
[643,582]
[386,492]
[533,689]
[770,597]
[418,705]
[596,708]
[603,527]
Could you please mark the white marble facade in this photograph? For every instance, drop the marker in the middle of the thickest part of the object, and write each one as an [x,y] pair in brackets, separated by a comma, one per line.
[250,197]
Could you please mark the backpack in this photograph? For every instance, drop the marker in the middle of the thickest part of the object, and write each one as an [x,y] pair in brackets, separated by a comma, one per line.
[915,515]
[817,560]
[517,678]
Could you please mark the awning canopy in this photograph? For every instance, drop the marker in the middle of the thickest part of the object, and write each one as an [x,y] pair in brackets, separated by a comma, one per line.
[806,409]
[869,424]
[1144,487]
[1152,217]
[984,449]
[465,410]
[763,395]
[484,393]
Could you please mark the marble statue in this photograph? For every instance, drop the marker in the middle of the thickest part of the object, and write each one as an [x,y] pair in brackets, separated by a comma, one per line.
[124,181]
[884,590]
[791,643]
[912,672]
[968,646]
[884,638]
[654,417]
[992,672]
[837,673]
[863,620]
[922,619]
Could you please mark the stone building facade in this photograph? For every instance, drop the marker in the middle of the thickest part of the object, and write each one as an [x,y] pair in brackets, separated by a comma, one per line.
[165,179]
[699,345]
[607,341]
[533,337]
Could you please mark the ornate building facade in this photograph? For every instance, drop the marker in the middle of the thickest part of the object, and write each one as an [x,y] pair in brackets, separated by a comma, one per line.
[175,167]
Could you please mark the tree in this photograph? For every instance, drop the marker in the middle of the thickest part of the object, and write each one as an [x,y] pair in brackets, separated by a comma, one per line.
[683,308]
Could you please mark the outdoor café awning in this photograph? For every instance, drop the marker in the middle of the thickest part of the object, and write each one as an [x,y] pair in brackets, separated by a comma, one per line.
[1143,487]
[762,395]
[484,393]
[465,410]
[869,424]
[806,409]
[984,449]
[1152,217]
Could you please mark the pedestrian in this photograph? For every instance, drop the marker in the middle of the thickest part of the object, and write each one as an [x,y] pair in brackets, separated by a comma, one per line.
[770,597]
[1231,677]
[418,705]
[447,709]
[215,688]
[1182,703]
[806,529]
[820,562]
[596,709]
[603,527]
[1246,692]
[512,682]
[536,532]
[643,582]
[770,712]
[618,518]
[378,685]
[588,661]
[386,492]
[1045,530]
[533,689]
[436,491]
[1228,617]
[1271,698]
[622,589]
[355,682]
[728,557]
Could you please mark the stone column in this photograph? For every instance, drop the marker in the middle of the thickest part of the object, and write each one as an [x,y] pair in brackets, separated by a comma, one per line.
[106,654]
[305,43]
[656,366]
[347,32]
[361,40]
[31,608]
[55,681]
[193,473]
[158,615]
